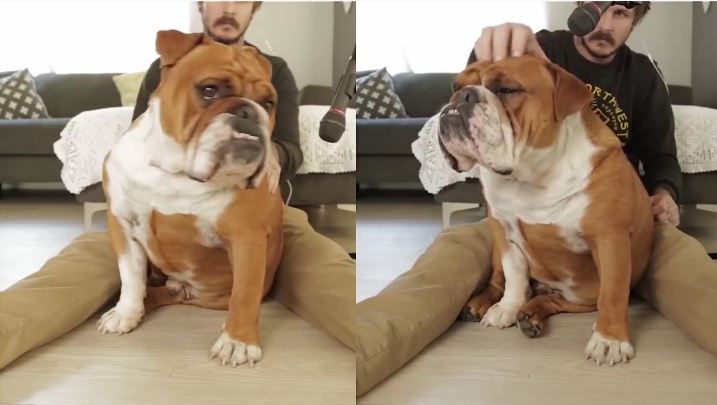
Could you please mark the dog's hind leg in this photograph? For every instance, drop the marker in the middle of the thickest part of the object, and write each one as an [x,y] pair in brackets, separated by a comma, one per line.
[533,313]
[158,296]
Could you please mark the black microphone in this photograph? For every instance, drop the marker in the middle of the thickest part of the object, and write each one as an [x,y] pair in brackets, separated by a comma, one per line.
[333,125]
[585,17]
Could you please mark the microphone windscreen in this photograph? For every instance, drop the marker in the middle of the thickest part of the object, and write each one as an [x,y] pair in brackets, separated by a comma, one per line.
[581,22]
[332,126]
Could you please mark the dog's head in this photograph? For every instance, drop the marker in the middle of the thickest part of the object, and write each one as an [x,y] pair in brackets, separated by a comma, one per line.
[501,110]
[216,107]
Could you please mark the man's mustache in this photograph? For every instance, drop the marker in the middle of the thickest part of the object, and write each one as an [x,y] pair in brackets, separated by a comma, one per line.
[225,19]
[602,36]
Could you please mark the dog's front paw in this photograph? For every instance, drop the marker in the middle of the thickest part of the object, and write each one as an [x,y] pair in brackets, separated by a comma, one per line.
[119,320]
[610,351]
[234,352]
[501,315]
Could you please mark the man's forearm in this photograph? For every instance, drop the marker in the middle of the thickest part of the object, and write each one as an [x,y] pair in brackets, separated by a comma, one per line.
[290,157]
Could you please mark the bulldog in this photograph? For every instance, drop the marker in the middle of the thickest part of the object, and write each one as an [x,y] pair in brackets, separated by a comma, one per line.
[570,219]
[178,187]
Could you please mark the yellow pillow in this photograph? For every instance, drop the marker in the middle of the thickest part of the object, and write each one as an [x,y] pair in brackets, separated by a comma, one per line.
[128,85]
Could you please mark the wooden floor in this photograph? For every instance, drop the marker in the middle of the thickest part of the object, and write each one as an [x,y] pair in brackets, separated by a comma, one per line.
[473,365]
[166,359]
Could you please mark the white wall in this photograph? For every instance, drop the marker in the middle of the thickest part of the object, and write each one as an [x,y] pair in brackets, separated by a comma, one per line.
[666,31]
[300,32]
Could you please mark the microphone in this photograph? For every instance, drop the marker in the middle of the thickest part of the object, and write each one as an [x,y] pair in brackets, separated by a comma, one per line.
[585,17]
[333,125]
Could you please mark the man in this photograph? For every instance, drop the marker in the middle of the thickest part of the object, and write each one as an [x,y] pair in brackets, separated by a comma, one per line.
[681,281]
[316,277]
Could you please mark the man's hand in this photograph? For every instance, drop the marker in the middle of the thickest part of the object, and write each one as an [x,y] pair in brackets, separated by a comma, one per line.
[509,39]
[664,207]
[271,170]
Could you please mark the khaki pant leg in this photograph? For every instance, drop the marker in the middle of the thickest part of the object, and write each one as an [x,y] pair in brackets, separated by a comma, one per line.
[316,279]
[681,283]
[419,305]
[67,290]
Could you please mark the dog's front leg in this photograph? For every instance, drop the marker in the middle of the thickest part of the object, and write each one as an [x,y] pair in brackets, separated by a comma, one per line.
[239,341]
[610,341]
[515,271]
[517,282]
[132,260]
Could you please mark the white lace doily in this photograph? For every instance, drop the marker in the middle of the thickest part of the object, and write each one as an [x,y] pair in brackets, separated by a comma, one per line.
[695,134]
[84,143]
[696,137]
[321,156]
[435,172]
[89,136]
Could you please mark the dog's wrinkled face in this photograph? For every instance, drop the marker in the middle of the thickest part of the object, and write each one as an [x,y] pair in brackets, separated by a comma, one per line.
[500,111]
[218,104]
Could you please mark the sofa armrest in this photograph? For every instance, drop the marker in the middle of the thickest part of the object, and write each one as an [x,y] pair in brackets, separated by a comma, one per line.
[388,136]
[316,95]
[30,136]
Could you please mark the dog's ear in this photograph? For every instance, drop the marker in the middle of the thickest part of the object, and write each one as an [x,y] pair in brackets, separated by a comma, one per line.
[171,45]
[570,94]
[471,75]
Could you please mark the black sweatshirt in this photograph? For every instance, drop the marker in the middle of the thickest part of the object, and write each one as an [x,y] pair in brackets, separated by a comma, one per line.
[286,129]
[632,100]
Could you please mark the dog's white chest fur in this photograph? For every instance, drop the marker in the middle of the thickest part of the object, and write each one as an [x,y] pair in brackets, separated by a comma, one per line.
[547,186]
[137,187]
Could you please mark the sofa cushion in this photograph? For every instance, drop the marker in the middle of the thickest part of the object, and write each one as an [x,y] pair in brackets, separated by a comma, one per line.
[31,136]
[19,98]
[423,94]
[375,97]
[128,85]
[67,95]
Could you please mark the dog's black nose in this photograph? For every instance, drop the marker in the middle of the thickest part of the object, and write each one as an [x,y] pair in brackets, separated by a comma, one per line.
[469,95]
[247,112]
[245,125]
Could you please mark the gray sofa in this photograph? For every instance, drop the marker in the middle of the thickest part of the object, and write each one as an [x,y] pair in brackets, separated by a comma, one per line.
[383,146]
[26,154]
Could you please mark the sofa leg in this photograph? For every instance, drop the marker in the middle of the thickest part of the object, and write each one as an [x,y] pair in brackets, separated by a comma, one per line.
[90,209]
[447,209]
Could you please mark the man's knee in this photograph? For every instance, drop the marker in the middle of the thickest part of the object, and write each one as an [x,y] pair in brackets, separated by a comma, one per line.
[669,241]
[467,236]
[295,218]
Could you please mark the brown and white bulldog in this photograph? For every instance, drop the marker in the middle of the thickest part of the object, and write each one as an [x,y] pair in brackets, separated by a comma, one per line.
[177,186]
[570,219]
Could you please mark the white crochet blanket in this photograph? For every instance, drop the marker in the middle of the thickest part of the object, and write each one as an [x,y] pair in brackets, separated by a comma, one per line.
[695,134]
[435,172]
[325,157]
[84,143]
[696,137]
[89,136]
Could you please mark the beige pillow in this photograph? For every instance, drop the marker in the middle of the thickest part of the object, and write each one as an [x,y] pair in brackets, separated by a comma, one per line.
[128,85]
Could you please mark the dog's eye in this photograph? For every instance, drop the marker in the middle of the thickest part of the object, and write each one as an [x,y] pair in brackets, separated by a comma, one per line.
[210,92]
[268,105]
[507,90]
